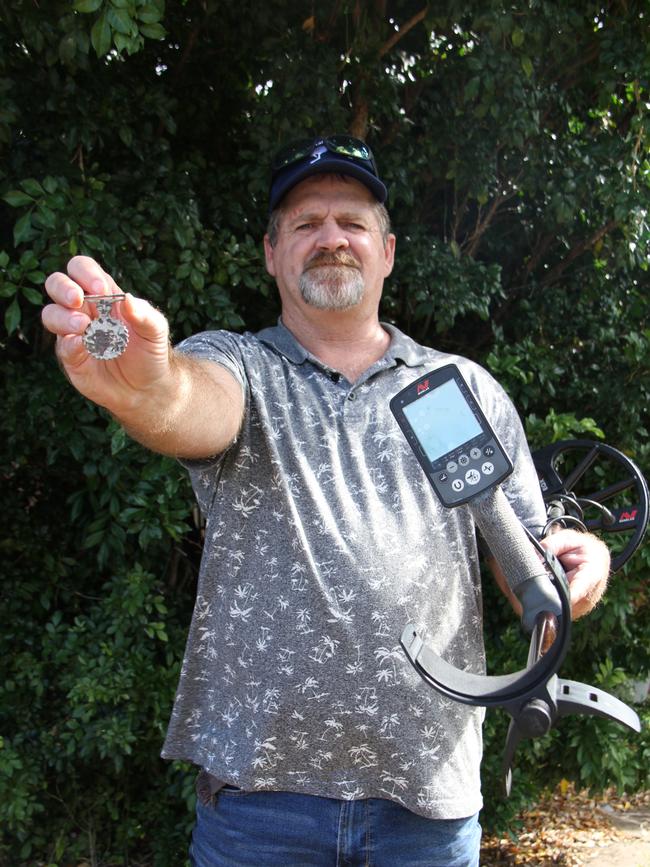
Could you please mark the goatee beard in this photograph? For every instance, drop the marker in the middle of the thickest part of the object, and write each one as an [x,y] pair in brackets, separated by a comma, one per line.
[331,282]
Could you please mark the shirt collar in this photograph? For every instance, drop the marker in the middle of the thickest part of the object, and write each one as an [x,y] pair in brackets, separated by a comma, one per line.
[279,337]
[404,348]
[401,348]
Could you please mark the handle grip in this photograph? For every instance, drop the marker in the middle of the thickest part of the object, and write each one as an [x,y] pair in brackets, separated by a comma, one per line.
[509,543]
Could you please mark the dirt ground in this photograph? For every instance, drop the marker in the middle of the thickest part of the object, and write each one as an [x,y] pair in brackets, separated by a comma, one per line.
[633,850]
[631,853]
[571,829]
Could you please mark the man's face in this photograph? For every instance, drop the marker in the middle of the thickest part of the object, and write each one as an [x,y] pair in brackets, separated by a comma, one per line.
[329,253]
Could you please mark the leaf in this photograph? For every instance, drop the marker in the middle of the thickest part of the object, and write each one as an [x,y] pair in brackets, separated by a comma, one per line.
[12,316]
[7,289]
[32,295]
[87,5]
[527,65]
[67,48]
[93,241]
[196,279]
[121,21]
[518,37]
[23,229]
[50,184]
[83,41]
[182,236]
[153,31]
[17,199]
[32,187]
[149,14]
[118,440]
[28,260]
[122,41]
[126,134]
[46,217]
[472,88]
[100,35]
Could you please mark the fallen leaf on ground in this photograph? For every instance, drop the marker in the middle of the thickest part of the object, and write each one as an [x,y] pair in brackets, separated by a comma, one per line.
[562,830]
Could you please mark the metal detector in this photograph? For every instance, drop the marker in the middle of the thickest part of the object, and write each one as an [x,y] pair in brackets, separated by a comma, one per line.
[586,485]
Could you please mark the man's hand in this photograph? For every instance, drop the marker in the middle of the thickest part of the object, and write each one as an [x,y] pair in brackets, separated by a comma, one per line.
[586,561]
[584,558]
[168,401]
[120,384]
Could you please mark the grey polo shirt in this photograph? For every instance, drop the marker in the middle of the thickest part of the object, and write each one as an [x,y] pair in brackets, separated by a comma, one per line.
[323,540]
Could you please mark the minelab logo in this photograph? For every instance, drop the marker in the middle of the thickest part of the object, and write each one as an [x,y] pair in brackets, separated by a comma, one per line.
[627,516]
[423,386]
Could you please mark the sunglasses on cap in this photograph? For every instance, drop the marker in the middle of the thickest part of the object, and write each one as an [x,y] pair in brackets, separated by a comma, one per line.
[342,145]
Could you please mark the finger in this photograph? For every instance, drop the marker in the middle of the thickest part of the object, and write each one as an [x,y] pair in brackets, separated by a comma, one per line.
[585,593]
[572,559]
[91,277]
[70,351]
[61,320]
[62,290]
[562,541]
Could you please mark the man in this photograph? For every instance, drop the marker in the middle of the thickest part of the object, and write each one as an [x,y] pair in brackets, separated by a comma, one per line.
[318,743]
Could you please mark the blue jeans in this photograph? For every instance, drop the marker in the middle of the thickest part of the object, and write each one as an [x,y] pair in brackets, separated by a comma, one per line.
[283,829]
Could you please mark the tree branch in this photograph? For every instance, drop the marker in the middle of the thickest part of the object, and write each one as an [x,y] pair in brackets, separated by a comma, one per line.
[360,103]
[361,111]
[404,29]
[577,251]
[539,250]
[471,244]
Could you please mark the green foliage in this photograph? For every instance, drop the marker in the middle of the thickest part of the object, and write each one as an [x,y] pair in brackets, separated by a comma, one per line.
[514,140]
[560,426]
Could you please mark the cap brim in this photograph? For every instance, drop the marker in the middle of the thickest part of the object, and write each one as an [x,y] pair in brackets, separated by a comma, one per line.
[328,164]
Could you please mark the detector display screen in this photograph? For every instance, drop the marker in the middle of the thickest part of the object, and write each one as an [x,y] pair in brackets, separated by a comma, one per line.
[450,436]
[442,420]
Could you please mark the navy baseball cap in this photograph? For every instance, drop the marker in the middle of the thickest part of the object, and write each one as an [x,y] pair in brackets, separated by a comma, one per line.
[339,154]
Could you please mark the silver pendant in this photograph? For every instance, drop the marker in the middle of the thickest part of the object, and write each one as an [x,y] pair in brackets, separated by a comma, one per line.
[105,337]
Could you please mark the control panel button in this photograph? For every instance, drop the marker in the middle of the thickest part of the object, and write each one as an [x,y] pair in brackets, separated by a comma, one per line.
[488,451]
[463,460]
[487,468]
[443,477]
[452,466]
[475,454]
[472,477]
[458,485]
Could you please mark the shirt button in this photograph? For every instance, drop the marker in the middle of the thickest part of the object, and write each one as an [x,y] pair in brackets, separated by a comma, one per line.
[351,396]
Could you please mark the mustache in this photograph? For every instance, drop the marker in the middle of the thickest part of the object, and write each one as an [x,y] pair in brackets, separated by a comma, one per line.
[319,260]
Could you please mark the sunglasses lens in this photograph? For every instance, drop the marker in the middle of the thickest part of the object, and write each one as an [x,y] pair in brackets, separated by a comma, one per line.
[293,152]
[350,147]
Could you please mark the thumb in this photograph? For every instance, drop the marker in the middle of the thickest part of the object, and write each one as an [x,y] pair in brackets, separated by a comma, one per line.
[147,322]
